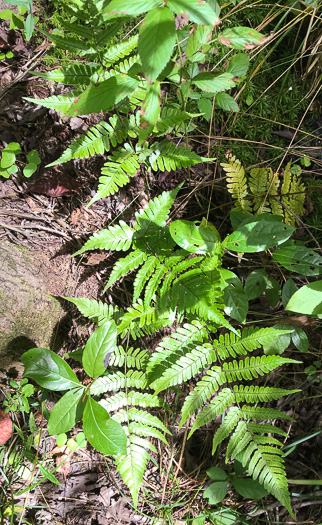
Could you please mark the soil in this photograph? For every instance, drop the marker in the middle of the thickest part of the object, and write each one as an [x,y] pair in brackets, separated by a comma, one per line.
[47,214]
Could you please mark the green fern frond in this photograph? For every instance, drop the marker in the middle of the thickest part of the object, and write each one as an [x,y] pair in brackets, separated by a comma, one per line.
[253,394]
[143,276]
[60,103]
[250,412]
[265,427]
[70,43]
[292,196]
[217,406]
[133,398]
[99,138]
[76,74]
[170,117]
[138,315]
[122,164]
[126,265]
[156,213]
[94,309]
[186,367]
[236,183]
[167,156]
[76,29]
[230,422]
[110,382]
[121,50]
[132,357]
[132,466]
[253,367]
[142,417]
[118,237]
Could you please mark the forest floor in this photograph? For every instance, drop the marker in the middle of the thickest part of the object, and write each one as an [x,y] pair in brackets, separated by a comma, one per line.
[48,214]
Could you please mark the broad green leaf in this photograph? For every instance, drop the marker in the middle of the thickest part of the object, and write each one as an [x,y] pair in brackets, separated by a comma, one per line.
[237,217]
[156,41]
[214,83]
[255,284]
[205,106]
[14,147]
[193,238]
[258,233]
[299,339]
[217,474]
[103,433]
[226,102]
[198,10]
[67,412]
[103,96]
[272,290]
[130,7]
[48,370]
[249,488]
[27,3]
[29,26]
[29,169]
[100,343]
[150,110]
[289,289]
[6,14]
[281,342]
[241,38]
[216,492]
[197,38]
[238,66]
[8,158]
[299,259]
[307,300]
[235,299]
[33,156]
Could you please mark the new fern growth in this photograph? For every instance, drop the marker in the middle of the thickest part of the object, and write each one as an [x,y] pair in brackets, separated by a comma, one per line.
[265,191]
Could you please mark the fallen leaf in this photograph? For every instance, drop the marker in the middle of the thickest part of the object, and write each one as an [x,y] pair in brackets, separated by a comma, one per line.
[53,184]
[5,427]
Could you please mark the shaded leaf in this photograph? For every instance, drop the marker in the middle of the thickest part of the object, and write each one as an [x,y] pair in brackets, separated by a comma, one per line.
[100,343]
[66,412]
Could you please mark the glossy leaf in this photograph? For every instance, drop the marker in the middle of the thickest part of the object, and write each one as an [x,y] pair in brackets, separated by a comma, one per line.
[289,289]
[67,412]
[198,10]
[272,290]
[48,370]
[193,238]
[249,488]
[299,259]
[214,83]
[102,432]
[281,342]
[100,343]
[216,492]
[299,339]
[226,102]
[235,299]
[156,41]
[307,300]
[258,233]
[241,38]
[255,283]
[103,96]
[238,66]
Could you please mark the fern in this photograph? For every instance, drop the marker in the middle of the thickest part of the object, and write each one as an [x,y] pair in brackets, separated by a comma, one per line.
[168,156]
[76,74]
[119,51]
[98,139]
[60,103]
[124,266]
[118,237]
[236,182]
[95,310]
[110,382]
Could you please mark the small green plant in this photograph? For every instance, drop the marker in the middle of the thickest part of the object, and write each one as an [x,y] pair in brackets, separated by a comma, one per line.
[26,24]
[243,484]
[8,161]
[179,281]
[311,371]
[266,191]
[19,400]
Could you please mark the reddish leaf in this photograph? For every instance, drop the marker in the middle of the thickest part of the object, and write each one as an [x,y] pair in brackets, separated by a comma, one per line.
[53,184]
[5,427]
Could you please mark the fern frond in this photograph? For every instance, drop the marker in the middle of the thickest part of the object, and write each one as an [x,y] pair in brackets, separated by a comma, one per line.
[142,417]
[70,43]
[156,213]
[292,196]
[121,50]
[99,138]
[78,74]
[186,367]
[110,382]
[132,466]
[170,117]
[122,164]
[133,398]
[132,357]
[167,156]
[230,422]
[138,315]
[143,276]
[236,183]
[118,237]
[217,406]
[253,394]
[125,265]
[253,367]
[250,412]
[60,103]
[94,309]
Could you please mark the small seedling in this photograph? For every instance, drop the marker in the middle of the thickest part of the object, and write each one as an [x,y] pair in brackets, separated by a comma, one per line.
[8,161]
